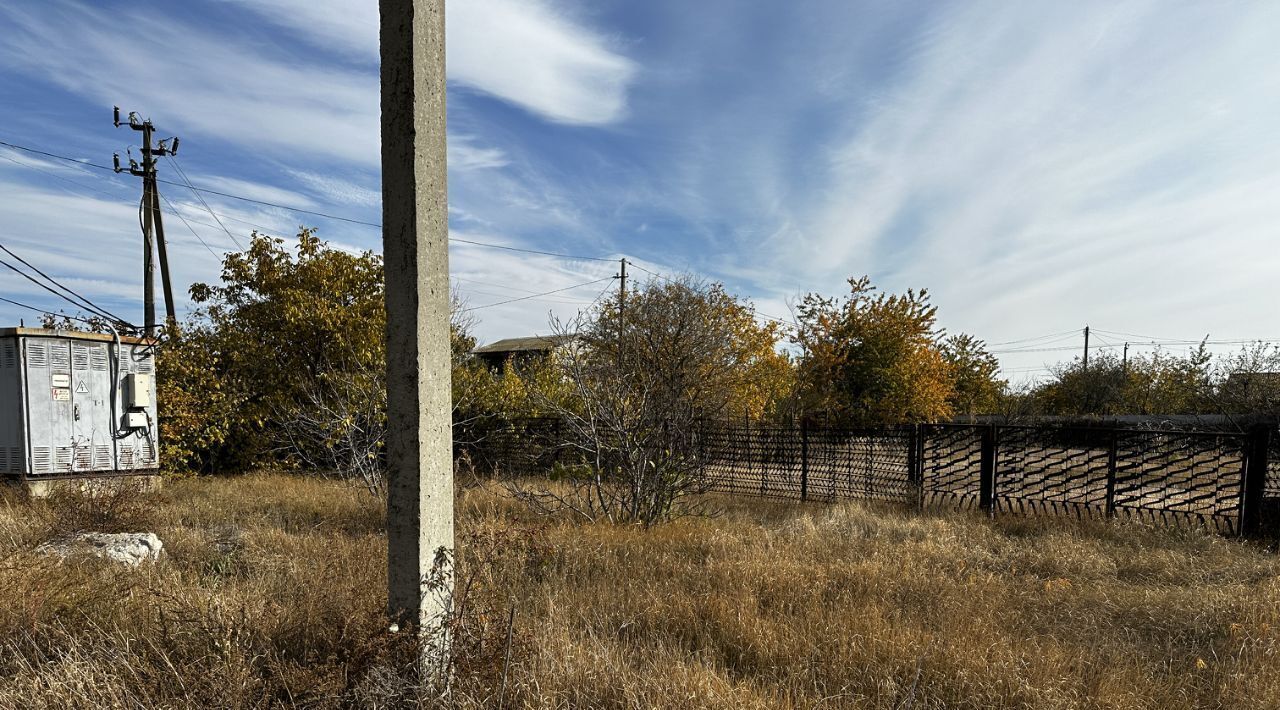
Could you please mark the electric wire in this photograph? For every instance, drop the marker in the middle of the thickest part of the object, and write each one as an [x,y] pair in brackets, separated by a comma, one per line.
[780,321]
[1041,340]
[33,280]
[174,211]
[173,159]
[83,302]
[45,312]
[191,186]
[545,293]
[530,251]
[1048,337]
[1129,335]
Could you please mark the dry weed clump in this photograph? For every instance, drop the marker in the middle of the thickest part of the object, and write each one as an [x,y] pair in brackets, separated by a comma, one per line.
[272,592]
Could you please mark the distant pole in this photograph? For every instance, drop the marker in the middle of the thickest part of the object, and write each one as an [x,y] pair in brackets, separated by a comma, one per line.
[1086,349]
[622,303]
[152,223]
[622,285]
[1124,361]
[416,251]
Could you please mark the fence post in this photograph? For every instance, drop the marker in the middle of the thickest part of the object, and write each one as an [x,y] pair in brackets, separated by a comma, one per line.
[916,462]
[1113,456]
[1253,486]
[804,459]
[987,471]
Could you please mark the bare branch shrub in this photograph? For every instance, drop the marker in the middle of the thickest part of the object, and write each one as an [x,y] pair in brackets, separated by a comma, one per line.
[338,425]
[643,376]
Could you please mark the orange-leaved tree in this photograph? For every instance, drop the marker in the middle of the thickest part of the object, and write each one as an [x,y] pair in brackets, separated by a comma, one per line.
[871,358]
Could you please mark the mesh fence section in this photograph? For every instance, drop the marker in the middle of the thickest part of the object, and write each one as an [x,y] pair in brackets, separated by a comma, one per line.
[1169,476]
[847,464]
[1043,470]
[756,460]
[1173,475]
[952,465]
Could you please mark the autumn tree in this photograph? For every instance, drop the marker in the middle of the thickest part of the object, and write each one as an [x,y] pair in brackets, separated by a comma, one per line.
[1111,384]
[872,358]
[1248,381]
[977,388]
[1076,389]
[284,360]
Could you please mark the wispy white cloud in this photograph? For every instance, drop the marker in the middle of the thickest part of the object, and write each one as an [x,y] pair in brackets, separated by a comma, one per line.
[1041,167]
[464,154]
[336,189]
[207,84]
[528,52]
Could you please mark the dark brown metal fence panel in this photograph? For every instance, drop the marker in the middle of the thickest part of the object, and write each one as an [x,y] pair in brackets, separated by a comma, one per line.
[1180,476]
[1044,470]
[870,465]
[752,459]
[1169,476]
[1271,488]
[952,465]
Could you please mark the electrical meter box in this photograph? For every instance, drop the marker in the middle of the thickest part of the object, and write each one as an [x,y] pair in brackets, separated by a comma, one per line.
[76,404]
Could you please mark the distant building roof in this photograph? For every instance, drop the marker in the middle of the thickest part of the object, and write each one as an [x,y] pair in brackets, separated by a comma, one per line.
[530,344]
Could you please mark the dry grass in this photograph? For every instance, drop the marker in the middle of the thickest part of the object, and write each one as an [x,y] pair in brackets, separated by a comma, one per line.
[271,595]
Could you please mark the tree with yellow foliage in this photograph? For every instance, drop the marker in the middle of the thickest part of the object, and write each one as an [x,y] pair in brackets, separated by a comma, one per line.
[871,358]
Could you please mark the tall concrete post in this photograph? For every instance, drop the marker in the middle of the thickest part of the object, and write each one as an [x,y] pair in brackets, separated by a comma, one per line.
[415,232]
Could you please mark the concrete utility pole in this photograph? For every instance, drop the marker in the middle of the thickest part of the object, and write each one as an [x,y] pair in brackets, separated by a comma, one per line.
[415,234]
[152,221]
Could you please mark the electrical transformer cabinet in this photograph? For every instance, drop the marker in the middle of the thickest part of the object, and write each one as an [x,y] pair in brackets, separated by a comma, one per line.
[75,404]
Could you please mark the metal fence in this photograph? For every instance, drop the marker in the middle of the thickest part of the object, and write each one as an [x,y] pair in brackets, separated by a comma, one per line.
[1218,479]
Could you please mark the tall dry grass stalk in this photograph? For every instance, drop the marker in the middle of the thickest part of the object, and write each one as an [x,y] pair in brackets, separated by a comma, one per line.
[271,594]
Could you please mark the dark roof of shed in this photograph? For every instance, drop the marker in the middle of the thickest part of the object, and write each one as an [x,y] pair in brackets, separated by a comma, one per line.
[533,343]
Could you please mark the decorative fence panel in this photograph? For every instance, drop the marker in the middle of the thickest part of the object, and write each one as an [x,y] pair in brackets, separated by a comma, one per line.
[1227,481]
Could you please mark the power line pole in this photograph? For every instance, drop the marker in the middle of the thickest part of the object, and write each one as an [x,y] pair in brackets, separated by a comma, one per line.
[622,287]
[1124,361]
[1086,349]
[622,303]
[152,221]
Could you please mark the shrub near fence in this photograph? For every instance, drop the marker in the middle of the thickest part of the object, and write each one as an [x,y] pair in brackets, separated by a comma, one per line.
[1217,479]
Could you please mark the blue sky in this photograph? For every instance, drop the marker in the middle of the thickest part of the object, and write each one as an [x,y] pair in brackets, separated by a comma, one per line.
[1036,165]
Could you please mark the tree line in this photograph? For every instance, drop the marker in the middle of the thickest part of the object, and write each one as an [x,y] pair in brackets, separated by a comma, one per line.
[282,364]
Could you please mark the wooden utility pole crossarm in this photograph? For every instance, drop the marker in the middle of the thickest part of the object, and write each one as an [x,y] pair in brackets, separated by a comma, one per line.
[415,246]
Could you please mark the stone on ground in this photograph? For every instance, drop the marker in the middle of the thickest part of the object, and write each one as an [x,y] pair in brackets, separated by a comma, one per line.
[126,548]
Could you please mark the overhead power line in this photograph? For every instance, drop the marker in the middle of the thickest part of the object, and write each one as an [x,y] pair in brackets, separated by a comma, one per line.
[29,307]
[188,184]
[1157,344]
[1050,336]
[780,321]
[174,211]
[536,295]
[82,301]
[173,160]
[528,251]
